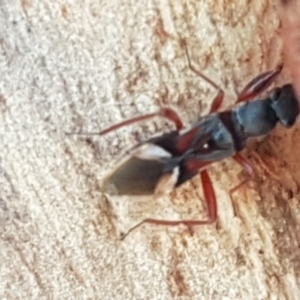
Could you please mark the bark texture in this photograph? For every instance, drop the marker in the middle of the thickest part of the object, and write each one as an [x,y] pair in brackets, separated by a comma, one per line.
[71,65]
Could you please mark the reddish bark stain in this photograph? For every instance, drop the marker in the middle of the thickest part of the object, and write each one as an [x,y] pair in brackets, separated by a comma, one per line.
[64,11]
[25,4]
[176,281]
[155,245]
[160,31]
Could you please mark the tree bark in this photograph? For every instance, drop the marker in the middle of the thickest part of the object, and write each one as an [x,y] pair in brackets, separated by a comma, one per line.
[82,66]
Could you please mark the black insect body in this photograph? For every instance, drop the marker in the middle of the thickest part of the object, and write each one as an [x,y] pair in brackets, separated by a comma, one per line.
[162,163]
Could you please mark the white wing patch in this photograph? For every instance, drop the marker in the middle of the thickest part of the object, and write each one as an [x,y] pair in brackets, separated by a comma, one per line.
[166,183]
[151,152]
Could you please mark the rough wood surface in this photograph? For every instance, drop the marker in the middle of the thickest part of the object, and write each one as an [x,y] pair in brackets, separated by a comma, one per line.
[83,65]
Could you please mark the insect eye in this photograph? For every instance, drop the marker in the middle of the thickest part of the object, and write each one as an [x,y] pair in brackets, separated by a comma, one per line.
[288,123]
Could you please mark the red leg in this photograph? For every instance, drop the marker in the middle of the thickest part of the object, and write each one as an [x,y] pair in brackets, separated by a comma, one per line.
[246,164]
[165,112]
[217,102]
[258,85]
[220,96]
[211,204]
[210,197]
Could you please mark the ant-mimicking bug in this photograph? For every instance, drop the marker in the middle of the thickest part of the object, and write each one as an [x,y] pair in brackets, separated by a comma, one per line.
[161,164]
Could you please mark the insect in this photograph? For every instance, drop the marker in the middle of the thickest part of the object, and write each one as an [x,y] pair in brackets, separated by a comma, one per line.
[289,12]
[161,164]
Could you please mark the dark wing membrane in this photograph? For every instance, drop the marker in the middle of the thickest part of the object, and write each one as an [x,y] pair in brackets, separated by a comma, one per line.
[134,177]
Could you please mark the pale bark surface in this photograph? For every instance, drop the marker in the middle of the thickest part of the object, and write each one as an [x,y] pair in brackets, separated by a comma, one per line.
[83,65]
